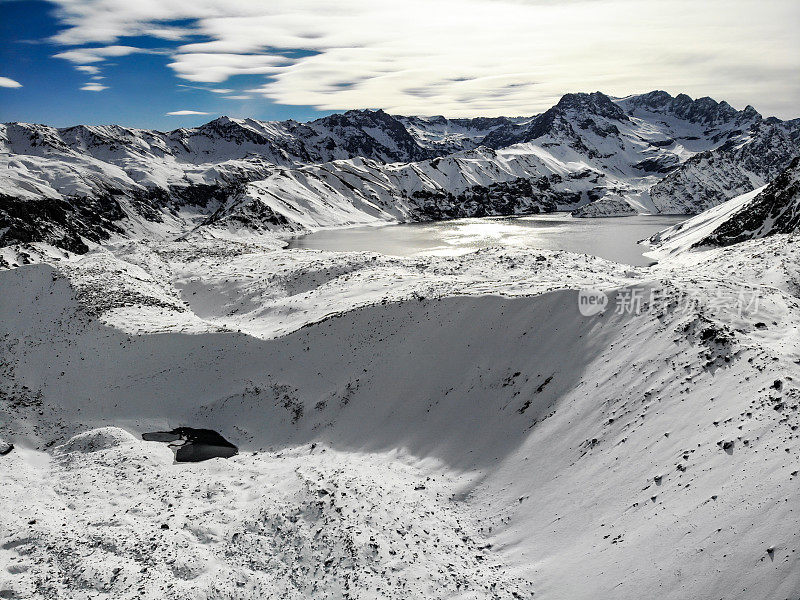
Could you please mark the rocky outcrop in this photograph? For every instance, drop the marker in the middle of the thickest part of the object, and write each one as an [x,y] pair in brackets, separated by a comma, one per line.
[773,211]
[610,205]
[734,168]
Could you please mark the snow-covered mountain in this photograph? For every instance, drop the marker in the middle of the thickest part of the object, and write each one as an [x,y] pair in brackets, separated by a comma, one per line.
[407,427]
[599,156]
[368,134]
[467,184]
[444,136]
[744,162]
[769,210]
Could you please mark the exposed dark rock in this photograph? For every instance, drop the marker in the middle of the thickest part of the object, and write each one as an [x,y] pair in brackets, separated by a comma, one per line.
[197,444]
[518,196]
[775,210]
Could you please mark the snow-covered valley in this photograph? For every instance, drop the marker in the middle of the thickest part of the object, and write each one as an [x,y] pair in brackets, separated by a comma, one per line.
[430,426]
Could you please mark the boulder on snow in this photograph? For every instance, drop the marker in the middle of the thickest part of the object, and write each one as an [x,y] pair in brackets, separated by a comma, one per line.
[196,445]
[5,447]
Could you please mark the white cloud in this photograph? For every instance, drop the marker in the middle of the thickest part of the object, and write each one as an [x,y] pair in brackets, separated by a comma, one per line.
[94,87]
[80,56]
[462,57]
[238,97]
[181,113]
[7,82]
[216,68]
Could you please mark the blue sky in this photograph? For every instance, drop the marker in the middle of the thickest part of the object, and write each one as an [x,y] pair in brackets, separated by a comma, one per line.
[135,61]
[141,88]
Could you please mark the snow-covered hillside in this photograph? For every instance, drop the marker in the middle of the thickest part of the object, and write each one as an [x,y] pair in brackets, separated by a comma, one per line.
[408,428]
[770,210]
[518,180]
[80,186]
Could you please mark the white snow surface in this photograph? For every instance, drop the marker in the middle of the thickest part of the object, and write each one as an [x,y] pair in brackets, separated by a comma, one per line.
[683,236]
[411,428]
[436,427]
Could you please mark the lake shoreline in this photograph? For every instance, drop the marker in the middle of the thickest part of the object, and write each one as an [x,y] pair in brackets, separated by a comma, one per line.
[612,238]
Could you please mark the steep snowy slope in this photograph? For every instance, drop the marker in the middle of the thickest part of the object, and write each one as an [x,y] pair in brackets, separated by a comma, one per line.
[518,180]
[402,441]
[685,235]
[766,211]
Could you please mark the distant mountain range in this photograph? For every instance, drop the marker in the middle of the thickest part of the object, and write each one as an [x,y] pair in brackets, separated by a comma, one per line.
[590,153]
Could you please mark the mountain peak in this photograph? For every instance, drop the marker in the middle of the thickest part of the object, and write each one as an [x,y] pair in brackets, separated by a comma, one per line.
[596,103]
[226,120]
[704,111]
[359,117]
[750,111]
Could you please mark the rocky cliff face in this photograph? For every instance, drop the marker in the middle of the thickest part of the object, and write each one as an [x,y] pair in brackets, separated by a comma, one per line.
[703,111]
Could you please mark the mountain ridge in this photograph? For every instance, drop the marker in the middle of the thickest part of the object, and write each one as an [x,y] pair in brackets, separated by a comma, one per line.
[77,186]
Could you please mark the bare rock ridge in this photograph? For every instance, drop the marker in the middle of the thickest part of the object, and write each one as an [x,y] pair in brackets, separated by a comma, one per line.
[773,211]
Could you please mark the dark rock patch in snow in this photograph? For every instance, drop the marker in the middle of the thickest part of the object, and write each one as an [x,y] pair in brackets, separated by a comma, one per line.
[196,444]
[774,211]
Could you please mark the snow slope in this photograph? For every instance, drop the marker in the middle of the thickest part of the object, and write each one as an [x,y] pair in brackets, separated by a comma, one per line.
[770,210]
[408,428]
[688,234]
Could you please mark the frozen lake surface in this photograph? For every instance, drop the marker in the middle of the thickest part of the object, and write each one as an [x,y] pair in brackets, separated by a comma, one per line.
[613,238]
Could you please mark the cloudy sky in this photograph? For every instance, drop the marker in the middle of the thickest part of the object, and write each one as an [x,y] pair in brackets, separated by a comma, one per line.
[169,63]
